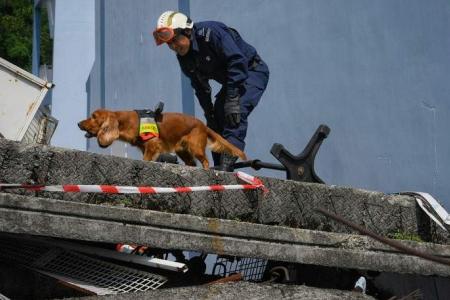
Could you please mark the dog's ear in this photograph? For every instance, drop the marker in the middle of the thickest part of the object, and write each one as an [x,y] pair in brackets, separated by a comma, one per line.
[109,131]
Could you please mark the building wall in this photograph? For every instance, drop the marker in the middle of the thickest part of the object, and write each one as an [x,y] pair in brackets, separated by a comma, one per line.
[73,56]
[376,72]
[130,71]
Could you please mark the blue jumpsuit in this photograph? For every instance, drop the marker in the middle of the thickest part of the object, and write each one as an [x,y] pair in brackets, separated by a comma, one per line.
[218,52]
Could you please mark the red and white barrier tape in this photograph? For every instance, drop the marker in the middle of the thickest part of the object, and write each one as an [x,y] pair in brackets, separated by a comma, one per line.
[253,184]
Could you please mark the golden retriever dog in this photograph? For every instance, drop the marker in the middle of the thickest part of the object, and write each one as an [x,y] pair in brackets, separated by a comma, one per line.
[183,134]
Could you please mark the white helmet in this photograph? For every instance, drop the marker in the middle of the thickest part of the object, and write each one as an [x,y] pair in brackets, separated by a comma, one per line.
[174,20]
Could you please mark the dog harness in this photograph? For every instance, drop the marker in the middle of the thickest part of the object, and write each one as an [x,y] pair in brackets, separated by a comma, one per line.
[148,128]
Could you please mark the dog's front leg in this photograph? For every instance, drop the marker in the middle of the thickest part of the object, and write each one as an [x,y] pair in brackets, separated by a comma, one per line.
[152,150]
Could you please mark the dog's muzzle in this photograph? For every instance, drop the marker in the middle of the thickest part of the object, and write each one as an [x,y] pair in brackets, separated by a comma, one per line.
[87,134]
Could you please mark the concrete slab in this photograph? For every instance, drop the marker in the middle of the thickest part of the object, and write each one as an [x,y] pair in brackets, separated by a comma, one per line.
[63,219]
[288,203]
[240,290]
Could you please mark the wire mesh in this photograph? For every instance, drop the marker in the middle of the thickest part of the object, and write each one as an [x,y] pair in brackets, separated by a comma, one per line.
[101,275]
[251,269]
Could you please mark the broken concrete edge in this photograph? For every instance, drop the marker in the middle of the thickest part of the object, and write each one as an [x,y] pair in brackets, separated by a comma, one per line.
[219,227]
[238,290]
[288,203]
[65,225]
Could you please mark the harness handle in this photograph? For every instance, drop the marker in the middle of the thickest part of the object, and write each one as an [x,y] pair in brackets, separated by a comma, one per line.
[158,108]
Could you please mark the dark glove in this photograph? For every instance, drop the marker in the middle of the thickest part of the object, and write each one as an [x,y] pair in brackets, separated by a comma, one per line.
[211,121]
[232,110]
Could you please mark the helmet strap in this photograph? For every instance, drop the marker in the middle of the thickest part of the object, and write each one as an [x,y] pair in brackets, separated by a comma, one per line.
[185,31]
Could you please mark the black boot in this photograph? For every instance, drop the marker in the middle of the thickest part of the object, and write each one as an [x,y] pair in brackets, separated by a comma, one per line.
[227,162]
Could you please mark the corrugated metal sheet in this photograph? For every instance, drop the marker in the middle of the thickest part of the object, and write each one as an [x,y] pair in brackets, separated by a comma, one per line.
[41,128]
[21,95]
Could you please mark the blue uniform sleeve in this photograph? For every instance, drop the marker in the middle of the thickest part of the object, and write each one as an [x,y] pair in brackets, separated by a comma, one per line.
[202,91]
[236,61]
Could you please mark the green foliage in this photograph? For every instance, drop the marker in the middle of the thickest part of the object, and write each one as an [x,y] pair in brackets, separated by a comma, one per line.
[127,202]
[16,33]
[399,235]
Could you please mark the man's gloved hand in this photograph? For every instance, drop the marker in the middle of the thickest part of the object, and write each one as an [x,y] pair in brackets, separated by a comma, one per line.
[211,121]
[232,110]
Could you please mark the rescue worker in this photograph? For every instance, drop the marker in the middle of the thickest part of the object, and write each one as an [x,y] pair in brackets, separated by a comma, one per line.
[211,50]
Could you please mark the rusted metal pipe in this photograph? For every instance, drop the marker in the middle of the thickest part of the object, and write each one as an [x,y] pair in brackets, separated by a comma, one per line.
[384,240]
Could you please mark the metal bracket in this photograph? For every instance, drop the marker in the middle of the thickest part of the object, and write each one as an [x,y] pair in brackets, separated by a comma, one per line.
[301,167]
[298,167]
[167,158]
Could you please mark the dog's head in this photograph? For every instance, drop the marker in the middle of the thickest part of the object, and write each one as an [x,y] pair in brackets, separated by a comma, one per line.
[103,124]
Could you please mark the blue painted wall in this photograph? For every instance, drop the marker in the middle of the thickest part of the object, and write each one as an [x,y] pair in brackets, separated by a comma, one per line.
[376,72]
[132,73]
[73,57]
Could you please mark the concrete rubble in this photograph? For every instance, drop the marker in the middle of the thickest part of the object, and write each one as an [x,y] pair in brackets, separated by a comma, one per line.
[281,225]
[240,290]
[288,203]
[81,221]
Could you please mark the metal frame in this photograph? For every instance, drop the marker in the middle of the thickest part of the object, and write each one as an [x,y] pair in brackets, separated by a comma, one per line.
[76,269]
[298,167]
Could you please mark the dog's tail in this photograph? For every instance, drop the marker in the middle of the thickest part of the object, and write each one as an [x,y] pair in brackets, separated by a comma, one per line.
[220,145]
